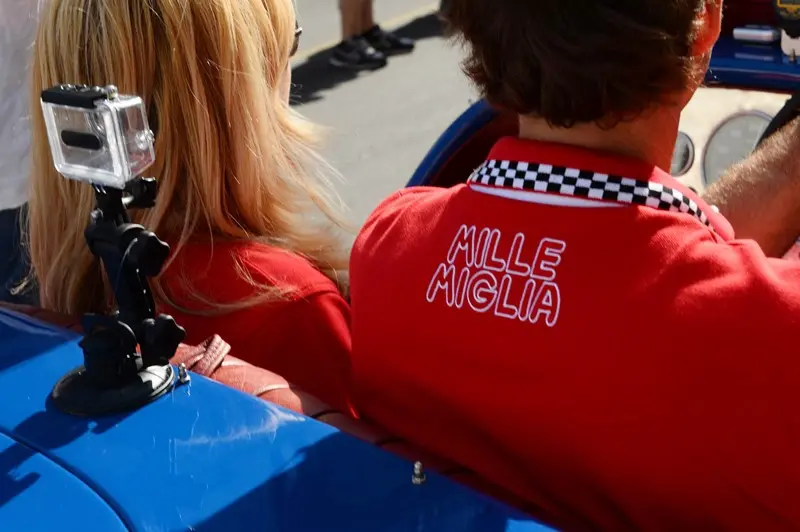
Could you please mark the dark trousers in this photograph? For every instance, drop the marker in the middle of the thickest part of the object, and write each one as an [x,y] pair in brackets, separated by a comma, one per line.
[14,264]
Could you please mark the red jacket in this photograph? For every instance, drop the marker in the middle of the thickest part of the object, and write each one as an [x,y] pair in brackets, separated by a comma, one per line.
[303,335]
[584,332]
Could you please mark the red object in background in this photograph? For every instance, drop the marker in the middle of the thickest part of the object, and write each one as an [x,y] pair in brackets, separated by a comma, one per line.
[744,12]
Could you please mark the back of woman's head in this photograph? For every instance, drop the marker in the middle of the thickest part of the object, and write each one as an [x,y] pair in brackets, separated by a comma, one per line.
[232,159]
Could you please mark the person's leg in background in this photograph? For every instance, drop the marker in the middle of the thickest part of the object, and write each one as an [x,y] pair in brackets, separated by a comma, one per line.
[384,41]
[18,22]
[352,12]
[351,18]
[14,263]
[365,45]
[367,16]
[355,52]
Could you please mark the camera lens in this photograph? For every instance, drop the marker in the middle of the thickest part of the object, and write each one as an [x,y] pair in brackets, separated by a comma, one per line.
[78,139]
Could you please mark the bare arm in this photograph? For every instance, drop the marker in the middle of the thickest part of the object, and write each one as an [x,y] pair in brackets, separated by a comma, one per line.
[760,196]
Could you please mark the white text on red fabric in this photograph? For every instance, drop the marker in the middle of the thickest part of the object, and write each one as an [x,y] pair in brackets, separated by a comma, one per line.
[485,272]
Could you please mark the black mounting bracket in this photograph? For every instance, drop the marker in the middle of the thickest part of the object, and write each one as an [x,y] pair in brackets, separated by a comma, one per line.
[126,354]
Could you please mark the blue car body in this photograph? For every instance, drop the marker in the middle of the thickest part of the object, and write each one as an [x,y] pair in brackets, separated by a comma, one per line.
[203,457]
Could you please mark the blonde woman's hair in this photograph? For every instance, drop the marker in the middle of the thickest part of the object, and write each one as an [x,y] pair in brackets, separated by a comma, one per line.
[233,161]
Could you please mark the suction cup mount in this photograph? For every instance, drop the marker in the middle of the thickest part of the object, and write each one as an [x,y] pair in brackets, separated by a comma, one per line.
[126,355]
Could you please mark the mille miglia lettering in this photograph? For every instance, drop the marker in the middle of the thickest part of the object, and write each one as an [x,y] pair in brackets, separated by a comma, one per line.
[485,274]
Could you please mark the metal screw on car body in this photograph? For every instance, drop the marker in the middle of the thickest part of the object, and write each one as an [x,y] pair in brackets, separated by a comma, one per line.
[183,375]
[419,474]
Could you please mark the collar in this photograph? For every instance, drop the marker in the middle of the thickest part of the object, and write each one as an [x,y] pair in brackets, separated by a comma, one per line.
[559,170]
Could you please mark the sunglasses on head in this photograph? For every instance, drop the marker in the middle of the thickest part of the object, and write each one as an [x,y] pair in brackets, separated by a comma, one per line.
[298,31]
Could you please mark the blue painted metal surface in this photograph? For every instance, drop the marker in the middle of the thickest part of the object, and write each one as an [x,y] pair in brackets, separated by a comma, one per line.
[473,119]
[751,66]
[209,458]
[36,494]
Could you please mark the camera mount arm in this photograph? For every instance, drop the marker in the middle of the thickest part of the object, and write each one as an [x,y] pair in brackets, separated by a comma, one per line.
[126,354]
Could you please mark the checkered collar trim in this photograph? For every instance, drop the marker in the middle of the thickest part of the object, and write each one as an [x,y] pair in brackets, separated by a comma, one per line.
[546,178]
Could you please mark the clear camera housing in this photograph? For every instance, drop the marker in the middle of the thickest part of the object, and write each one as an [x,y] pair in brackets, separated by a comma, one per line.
[108,143]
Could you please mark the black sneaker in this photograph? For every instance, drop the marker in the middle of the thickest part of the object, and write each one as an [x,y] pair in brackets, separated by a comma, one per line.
[357,54]
[387,42]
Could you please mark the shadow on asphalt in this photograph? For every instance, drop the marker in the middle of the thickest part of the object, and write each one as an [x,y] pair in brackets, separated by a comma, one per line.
[315,75]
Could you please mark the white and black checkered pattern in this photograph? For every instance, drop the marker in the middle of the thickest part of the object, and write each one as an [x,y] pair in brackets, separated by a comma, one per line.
[547,178]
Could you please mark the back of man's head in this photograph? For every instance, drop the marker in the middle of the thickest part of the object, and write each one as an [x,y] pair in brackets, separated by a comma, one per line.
[574,61]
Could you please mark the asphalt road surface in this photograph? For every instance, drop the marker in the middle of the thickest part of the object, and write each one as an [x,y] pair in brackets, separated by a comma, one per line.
[381,124]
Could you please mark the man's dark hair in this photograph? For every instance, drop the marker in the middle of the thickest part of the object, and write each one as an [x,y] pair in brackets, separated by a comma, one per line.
[573,61]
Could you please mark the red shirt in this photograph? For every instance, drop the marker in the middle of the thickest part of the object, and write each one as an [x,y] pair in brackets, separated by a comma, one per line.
[617,366]
[304,335]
